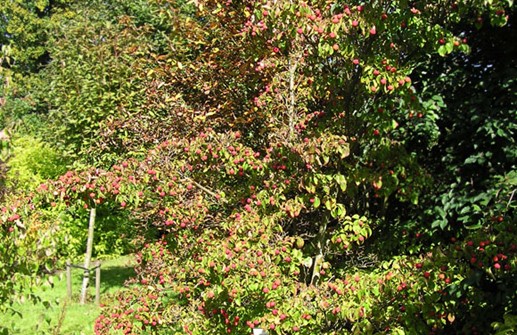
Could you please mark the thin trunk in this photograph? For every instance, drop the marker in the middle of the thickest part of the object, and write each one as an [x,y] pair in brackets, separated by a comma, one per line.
[293,64]
[88,256]
[320,257]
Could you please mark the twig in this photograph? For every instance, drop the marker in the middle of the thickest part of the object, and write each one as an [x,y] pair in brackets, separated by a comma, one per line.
[511,198]
[203,188]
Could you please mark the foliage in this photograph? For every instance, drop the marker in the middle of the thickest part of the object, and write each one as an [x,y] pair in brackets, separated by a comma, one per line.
[32,162]
[37,235]
[23,32]
[115,234]
[239,259]
[304,172]
[480,147]
[89,81]
[27,247]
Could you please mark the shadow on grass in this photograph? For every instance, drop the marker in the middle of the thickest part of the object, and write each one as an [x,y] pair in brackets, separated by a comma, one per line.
[114,274]
[114,277]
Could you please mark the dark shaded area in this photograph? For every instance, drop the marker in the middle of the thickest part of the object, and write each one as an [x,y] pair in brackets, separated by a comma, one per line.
[115,277]
[476,149]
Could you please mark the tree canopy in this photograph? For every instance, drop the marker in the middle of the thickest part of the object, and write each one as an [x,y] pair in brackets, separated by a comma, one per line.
[305,167]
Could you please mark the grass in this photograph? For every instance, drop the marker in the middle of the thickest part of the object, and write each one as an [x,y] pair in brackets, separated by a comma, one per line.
[56,315]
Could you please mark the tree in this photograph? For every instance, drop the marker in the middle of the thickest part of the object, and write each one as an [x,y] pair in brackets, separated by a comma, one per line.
[332,140]
[280,150]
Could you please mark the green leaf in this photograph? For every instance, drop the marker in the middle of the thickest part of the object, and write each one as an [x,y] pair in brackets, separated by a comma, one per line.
[330,204]
[316,202]
[444,224]
[341,210]
[436,223]
[474,227]
[340,179]
[441,212]
[442,51]
[449,47]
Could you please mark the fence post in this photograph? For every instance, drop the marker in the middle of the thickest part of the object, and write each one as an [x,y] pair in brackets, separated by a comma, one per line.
[97,282]
[68,279]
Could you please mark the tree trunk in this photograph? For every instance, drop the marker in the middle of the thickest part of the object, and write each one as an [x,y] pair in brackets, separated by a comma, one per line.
[320,257]
[88,256]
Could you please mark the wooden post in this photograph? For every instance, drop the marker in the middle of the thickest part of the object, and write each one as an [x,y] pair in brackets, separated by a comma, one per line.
[98,282]
[88,256]
[69,279]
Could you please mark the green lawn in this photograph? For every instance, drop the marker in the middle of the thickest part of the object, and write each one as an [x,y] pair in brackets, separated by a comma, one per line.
[68,317]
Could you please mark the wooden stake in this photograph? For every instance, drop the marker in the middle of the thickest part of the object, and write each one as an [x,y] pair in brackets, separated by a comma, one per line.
[98,282]
[68,279]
